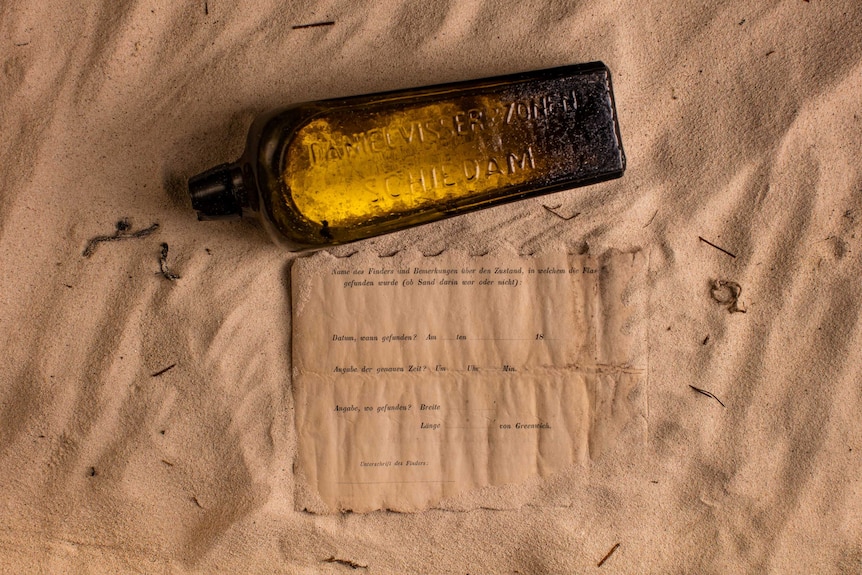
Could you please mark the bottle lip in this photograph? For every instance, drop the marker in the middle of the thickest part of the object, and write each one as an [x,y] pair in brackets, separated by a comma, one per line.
[218,193]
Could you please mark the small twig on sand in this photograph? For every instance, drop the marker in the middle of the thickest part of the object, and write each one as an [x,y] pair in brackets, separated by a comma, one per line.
[121,233]
[314,25]
[163,265]
[608,556]
[564,218]
[347,562]
[709,243]
[707,393]
[163,371]
[651,219]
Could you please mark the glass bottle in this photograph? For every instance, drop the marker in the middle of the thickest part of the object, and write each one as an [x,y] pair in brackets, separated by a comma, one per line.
[335,171]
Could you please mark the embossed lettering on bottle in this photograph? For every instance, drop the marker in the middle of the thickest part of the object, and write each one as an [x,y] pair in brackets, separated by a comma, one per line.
[341,170]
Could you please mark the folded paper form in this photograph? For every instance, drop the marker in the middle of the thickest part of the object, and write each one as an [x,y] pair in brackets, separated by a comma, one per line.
[417,379]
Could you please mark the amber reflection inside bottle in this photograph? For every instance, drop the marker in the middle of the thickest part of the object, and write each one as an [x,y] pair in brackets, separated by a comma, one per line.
[336,171]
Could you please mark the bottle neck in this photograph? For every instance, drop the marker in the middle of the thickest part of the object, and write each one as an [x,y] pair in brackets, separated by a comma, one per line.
[219,193]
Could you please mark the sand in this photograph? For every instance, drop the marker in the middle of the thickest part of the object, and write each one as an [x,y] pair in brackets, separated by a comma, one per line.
[742,124]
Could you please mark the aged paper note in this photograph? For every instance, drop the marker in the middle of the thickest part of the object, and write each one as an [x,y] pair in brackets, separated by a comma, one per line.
[417,378]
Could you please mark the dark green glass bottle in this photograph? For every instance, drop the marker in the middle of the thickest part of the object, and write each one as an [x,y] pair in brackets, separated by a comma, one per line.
[335,171]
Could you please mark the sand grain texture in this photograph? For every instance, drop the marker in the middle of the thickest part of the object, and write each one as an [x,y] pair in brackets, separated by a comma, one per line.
[742,123]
